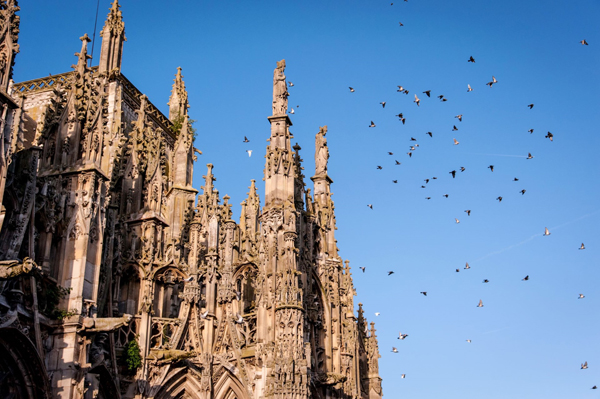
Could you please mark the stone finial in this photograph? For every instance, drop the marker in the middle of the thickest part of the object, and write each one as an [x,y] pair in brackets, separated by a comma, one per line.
[83,56]
[209,179]
[280,93]
[178,102]
[321,152]
[113,36]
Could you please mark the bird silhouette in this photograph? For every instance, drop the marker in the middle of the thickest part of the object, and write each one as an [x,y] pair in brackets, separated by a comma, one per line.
[394,350]
[395,181]
[456,142]
[549,136]
[469,88]
[203,315]
[492,82]
[454,128]
[530,131]
[583,42]
[249,153]
[453,173]
[582,246]
[491,167]
[290,83]
[515,179]
[401,24]
[292,111]
[522,191]
[398,163]
[377,313]
[351,89]
[546,232]
[430,134]
[499,199]
[362,268]
[383,104]
[530,106]
[400,89]
[424,293]
[370,206]
[413,139]
[581,296]
[529,156]
[471,59]
[480,305]
[403,375]
[427,92]
[390,272]
[526,278]
[239,319]
[467,267]
[459,117]
[468,211]
[468,341]
[246,140]
[372,124]
[457,221]
[457,270]
[462,169]
[402,336]
[379,167]
[584,366]
[486,281]
[445,195]
[417,100]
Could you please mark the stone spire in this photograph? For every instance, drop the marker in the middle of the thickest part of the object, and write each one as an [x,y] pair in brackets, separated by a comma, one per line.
[9,32]
[279,174]
[113,36]
[82,56]
[178,102]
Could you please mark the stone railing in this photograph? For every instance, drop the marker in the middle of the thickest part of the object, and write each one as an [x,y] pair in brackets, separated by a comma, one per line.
[127,333]
[162,331]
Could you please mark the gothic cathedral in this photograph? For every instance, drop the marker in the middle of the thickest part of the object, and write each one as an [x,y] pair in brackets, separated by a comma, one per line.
[119,280]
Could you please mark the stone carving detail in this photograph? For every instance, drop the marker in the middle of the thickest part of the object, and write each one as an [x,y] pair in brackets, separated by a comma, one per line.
[321,152]
[280,93]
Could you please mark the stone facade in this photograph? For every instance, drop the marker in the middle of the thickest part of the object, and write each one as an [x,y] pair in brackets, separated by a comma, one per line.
[119,280]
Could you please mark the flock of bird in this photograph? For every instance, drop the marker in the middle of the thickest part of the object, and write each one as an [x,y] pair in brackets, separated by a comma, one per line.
[413,147]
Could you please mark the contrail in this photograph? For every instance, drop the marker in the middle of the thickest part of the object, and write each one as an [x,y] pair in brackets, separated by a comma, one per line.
[536,235]
[502,155]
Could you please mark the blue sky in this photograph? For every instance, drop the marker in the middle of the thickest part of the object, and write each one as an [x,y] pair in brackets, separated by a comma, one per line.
[529,339]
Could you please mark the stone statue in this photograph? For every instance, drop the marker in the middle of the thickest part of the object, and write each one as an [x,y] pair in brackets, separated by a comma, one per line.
[321,152]
[280,93]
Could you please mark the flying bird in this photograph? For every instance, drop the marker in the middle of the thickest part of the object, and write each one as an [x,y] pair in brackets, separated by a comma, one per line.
[390,272]
[584,366]
[467,267]
[398,163]
[403,376]
[456,142]
[377,313]
[292,111]
[372,124]
[492,82]
[468,211]
[246,140]
[394,350]
[400,89]
[427,198]
[486,281]
[480,305]
[424,293]
[469,88]
[440,96]
[428,92]
[445,195]
[522,191]
[249,153]
[402,336]
[239,319]
[581,296]
[584,42]
[457,270]
[530,131]
[457,221]
[351,89]
[491,167]
[290,83]
[499,199]
[362,268]
[409,154]
[453,173]
[515,179]
[187,280]
[529,156]
[203,315]
[471,59]
[546,231]
[370,206]
[469,341]
[395,181]
[417,100]
[383,104]
[526,278]
[462,169]
[582,246]
[459,117]
[549,136]
[379,167]
[454,128]
[530,106]
[401,24]
[430,134]
[390,153]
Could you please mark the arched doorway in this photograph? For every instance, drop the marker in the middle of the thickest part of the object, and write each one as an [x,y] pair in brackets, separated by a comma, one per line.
[22,372]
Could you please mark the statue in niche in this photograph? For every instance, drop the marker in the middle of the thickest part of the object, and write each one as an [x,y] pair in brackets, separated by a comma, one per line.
[280,93]
[321,152]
